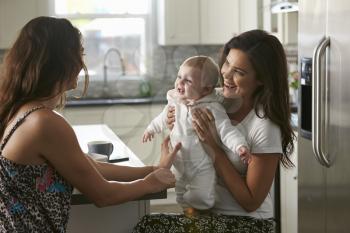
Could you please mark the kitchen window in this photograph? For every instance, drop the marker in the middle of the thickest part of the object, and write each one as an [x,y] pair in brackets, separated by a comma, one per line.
[116,34]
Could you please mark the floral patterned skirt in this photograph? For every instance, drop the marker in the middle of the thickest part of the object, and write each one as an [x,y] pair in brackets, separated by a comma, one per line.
[180,223]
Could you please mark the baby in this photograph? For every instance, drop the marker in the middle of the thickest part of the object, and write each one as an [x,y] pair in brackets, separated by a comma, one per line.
[193,168]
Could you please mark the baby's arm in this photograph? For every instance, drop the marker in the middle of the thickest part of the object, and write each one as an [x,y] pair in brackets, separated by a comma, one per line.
[230,135]
[244,154]
[147,136]
[157,125]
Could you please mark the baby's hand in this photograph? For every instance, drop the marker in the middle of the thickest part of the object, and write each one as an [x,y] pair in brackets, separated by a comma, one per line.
[245,155]
[147,136]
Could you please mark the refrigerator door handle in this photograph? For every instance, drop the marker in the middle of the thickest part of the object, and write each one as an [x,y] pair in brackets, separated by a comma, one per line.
[317,103]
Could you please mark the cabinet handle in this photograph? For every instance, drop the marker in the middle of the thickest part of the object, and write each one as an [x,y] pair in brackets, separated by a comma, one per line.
[318,127]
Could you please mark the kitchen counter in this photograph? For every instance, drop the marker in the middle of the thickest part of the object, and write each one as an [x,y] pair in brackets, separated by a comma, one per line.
[85,102]
[147,100]
[115,101]
[85,216]
[80,199]
[86,133]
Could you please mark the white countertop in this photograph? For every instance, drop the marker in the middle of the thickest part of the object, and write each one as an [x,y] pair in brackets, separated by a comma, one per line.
[86,133]
[100,132]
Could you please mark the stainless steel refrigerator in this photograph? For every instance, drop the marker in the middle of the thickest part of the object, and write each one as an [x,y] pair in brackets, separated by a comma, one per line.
[324,116]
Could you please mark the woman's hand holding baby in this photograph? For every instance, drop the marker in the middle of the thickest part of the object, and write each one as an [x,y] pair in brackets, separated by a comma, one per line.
[170,120]
[204,125]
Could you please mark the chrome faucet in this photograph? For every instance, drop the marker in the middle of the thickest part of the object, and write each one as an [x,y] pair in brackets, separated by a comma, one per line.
[105,66]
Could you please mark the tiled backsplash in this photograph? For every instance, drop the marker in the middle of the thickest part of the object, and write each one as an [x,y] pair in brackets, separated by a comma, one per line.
[167,59]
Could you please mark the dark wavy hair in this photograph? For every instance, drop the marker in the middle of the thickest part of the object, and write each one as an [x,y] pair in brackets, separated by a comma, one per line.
[45,57]
[268,59]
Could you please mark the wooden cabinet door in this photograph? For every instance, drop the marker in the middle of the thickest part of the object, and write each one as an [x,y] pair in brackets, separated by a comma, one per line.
[14,14]
[178,22]
[219,20]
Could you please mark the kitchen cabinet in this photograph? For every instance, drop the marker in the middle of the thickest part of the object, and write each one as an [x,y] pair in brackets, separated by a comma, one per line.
[186,22]
[14,14]
[250,15]
[283,25]
[289,30]
[178,22]
[219,20]
[127,121]
[289,194]
[119,218]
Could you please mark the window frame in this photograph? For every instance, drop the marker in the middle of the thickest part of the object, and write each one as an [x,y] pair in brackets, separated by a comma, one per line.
[147,17]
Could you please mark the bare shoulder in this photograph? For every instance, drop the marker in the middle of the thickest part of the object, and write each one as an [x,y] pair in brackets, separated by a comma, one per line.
[41,132]
[46,122]
[55,137]
[46,118]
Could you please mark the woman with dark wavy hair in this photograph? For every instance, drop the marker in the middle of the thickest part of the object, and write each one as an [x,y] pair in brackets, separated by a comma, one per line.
[254,68]
[40,158]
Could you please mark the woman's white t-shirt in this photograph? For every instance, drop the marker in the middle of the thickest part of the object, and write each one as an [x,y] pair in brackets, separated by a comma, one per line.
[263,136]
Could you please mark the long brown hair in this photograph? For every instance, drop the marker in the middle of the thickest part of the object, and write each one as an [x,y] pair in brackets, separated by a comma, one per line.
[46,56]
[268,59]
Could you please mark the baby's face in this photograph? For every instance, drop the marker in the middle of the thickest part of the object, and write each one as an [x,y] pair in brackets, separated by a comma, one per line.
[188,83]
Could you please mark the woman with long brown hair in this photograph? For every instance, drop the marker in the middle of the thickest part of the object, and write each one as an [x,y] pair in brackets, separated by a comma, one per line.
[253,67]
[40,158]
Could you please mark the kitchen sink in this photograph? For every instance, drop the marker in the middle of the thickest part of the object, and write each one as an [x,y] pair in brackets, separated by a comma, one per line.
[126,86]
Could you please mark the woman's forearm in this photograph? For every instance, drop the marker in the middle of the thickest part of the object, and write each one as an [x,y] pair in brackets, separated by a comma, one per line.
[121,173]
[118,193]
[249,191]
[234,182]
[124,173]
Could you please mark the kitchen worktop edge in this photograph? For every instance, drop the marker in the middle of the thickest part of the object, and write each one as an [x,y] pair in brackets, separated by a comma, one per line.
[115,101]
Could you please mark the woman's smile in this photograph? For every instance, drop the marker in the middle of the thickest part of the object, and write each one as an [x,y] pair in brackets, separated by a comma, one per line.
[229,86]
[230,89]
